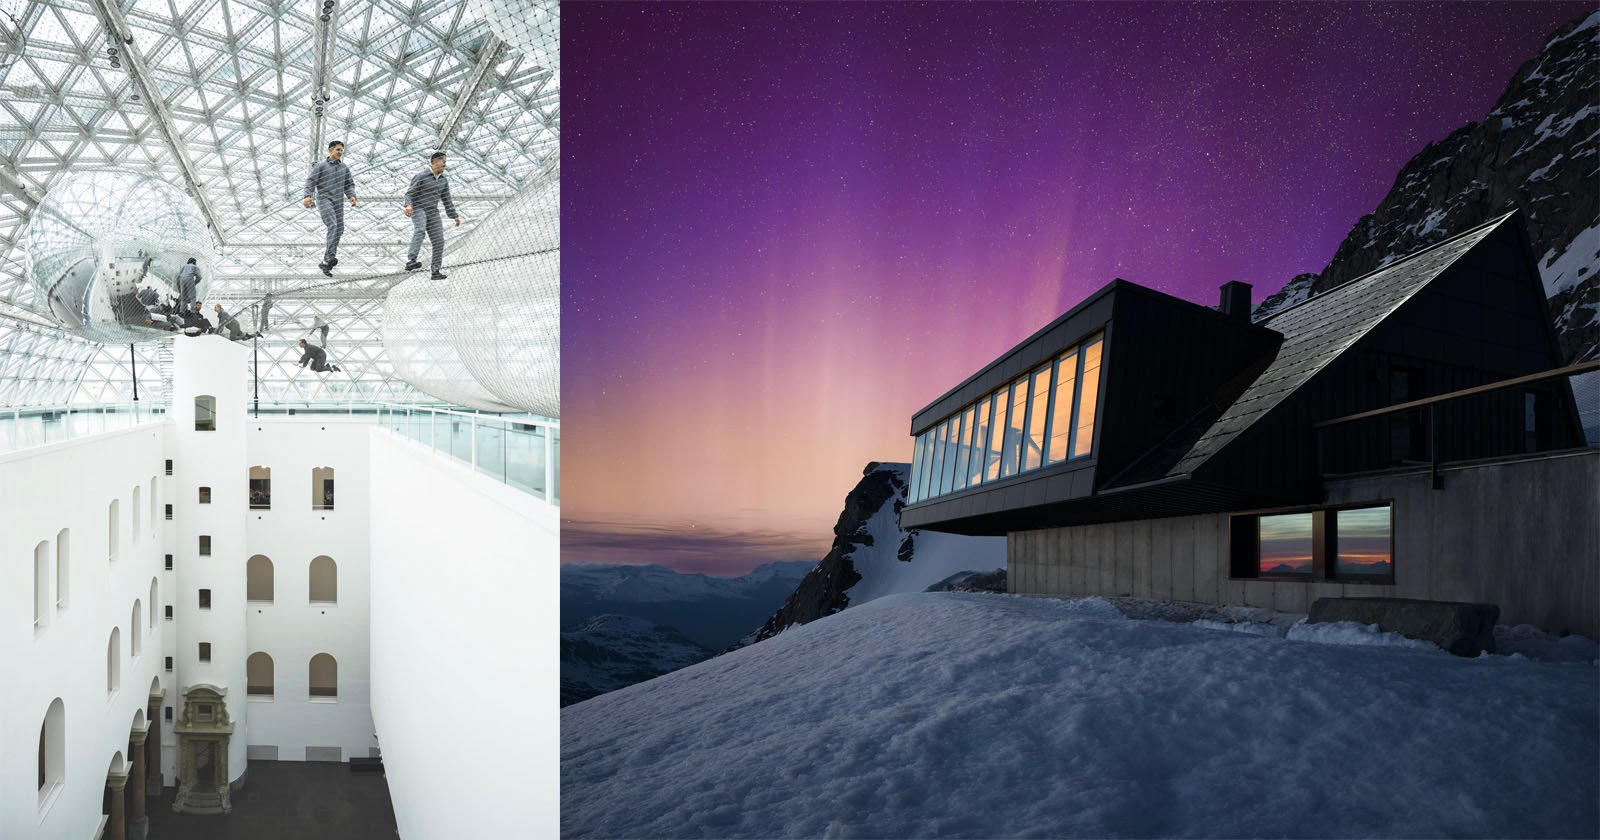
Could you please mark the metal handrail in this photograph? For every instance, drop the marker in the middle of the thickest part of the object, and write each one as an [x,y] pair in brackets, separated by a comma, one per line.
[551,495]
[1430,404]
[533,420]
[1555,373]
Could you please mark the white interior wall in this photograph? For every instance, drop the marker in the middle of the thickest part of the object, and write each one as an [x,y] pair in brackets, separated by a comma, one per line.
[43,490]
[291,629]
[209,365]
[465,635]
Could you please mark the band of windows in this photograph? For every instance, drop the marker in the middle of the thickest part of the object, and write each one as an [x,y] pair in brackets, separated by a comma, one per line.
[1041,418]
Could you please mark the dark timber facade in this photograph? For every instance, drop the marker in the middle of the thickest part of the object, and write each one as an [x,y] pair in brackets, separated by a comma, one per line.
[1196,454]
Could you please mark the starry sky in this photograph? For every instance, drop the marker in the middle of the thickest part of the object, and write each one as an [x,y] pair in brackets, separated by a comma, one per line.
[788,227]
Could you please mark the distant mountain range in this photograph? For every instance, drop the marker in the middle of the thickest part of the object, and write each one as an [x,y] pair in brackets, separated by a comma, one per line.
[607,652]
[711,611]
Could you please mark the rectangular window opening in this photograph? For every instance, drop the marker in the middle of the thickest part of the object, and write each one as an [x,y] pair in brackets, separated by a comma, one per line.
[205,599]
[205,651]
[205,545]
[205,495]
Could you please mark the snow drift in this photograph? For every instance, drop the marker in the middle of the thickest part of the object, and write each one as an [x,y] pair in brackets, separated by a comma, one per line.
[975,715]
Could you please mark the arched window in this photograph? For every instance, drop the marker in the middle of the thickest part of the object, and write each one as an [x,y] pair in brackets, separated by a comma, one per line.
[258,675]
[258,579]
[324,580]
[134,511]
[153,602]
[52,749]
[63,562]
[114,661]
[205,413]
[113,524]
[41,584]
[322,488]
[260,488]
[324,676]
[134,628]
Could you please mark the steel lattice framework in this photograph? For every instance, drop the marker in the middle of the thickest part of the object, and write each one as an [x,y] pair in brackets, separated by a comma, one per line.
[238,119]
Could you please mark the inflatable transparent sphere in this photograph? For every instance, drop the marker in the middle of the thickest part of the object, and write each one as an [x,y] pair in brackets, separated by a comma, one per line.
[108,254]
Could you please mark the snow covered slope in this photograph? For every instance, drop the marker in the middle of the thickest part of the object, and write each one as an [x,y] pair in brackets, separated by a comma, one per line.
[972,715]
[872,557]
[607,652]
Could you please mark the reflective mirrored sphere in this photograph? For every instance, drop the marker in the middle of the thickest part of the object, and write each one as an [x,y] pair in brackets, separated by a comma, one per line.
[113,256]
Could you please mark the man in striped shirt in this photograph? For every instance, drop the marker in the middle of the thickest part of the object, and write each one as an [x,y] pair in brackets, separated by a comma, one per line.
[328,179]
[422,206]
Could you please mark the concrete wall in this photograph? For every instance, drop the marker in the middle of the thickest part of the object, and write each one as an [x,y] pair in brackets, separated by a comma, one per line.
[465,636]
[43,490]
[1523,534]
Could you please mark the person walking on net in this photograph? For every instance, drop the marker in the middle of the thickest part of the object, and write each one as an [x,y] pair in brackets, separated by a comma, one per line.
[328,180]
[427,189]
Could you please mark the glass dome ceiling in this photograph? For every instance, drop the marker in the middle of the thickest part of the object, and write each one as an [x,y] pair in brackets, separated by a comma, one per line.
[233,101]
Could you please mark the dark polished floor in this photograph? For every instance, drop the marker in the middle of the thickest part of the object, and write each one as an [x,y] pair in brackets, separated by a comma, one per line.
[309,800]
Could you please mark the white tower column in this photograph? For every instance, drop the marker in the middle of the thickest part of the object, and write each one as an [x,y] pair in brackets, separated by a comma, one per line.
[213,458]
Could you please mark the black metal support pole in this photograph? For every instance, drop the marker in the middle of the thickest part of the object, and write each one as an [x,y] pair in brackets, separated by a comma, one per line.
[133,361]
[1433,445]
[255,372]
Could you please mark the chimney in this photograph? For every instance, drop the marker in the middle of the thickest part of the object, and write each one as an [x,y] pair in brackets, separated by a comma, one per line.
[1236,301]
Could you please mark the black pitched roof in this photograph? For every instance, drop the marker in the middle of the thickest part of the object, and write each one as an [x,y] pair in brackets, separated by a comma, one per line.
[1316,331]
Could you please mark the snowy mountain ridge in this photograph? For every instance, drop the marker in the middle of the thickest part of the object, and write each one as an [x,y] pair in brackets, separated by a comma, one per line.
[1535,151]
[872,556]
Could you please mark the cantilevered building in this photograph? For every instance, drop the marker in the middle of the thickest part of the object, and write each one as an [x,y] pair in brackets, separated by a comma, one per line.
[1408,434]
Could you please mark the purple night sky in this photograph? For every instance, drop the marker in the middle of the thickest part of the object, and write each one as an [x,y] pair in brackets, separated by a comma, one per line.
[787,227]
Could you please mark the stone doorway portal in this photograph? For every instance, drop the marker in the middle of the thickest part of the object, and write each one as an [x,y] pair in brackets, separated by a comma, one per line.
[203,732]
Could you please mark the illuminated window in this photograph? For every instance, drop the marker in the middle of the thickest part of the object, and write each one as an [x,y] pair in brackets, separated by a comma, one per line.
[1013,429]
[997,426]
[964,449]
[917,469]
[1083,441]
[980,442]
[1033,441]
[1065,393]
